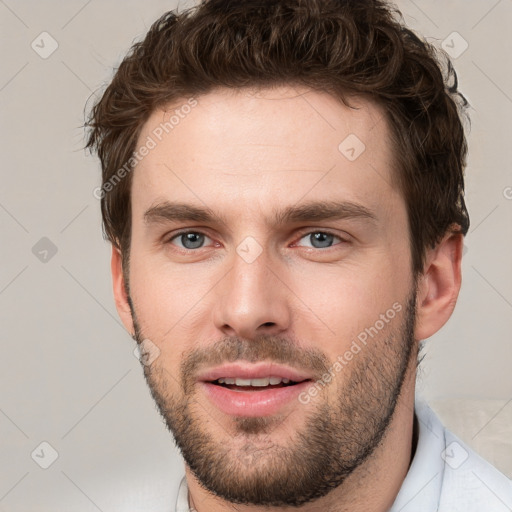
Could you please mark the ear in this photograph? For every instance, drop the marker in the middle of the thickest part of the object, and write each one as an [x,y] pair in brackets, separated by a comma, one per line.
[438,286]
[120,295]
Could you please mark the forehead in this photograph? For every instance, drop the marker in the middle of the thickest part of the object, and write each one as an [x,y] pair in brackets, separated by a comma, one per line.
[265,148]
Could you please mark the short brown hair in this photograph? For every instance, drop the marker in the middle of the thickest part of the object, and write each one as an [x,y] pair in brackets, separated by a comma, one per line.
[342,47]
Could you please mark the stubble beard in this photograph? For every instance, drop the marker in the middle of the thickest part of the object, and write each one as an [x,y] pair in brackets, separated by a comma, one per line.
[248,466]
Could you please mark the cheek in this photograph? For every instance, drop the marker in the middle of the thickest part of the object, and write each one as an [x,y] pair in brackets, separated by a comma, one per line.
[339,304]
[166,297]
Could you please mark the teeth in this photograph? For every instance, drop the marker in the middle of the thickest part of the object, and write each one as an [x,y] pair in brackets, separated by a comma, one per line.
[264,381]
[226,381]
[259,382]
[243,382]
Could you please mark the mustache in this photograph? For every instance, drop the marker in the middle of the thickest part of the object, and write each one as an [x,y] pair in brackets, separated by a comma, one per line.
[268,348]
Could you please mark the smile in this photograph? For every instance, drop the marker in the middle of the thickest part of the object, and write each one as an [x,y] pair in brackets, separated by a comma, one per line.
[238,384]
[253,390]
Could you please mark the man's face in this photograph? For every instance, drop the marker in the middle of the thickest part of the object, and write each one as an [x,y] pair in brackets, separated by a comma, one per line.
[302,262]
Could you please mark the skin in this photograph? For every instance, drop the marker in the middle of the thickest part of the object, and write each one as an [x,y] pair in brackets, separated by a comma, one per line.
[245,154]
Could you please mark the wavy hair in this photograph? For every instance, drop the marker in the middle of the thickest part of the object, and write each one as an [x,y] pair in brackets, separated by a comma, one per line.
[343,47]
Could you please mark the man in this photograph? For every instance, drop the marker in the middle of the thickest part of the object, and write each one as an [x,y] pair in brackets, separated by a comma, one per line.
[283,190]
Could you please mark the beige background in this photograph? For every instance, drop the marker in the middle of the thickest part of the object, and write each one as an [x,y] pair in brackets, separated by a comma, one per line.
[68,375]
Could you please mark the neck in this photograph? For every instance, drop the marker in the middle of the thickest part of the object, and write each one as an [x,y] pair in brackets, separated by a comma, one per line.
[372,487]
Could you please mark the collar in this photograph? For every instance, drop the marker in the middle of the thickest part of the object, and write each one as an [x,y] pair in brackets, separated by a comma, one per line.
[421,488]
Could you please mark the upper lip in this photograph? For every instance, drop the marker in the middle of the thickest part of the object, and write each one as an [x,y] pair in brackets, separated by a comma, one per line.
[253,371]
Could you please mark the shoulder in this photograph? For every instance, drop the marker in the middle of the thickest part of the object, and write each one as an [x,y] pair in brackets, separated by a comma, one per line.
[446,475]
[470,483]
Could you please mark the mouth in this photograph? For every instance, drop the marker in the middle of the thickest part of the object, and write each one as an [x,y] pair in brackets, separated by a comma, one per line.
[260,384]
[253,390]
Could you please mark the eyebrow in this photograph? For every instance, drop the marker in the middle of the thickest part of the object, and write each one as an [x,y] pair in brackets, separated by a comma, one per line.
[172,211]
[324,210]
[308,212]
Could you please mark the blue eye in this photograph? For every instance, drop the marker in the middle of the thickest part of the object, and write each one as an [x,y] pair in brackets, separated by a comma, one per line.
[189,240]
[320,239]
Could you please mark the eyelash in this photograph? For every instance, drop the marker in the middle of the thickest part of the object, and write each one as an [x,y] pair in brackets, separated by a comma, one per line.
[303,235]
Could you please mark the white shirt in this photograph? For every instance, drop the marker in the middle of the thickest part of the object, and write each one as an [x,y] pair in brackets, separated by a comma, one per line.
[445,475]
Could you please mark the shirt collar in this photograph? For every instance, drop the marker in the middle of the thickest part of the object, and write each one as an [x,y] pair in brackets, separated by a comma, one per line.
[421,488]
[182,501]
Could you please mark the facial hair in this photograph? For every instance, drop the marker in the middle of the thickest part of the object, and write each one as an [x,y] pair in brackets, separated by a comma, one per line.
[340,432]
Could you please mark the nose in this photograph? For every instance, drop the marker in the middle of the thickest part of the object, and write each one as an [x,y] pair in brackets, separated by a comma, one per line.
[252,299]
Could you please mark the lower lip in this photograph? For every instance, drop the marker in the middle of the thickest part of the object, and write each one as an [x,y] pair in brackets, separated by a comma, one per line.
[253,403]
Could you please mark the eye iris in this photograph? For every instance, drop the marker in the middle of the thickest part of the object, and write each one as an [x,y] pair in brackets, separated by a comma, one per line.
[192,240]
[321,240]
